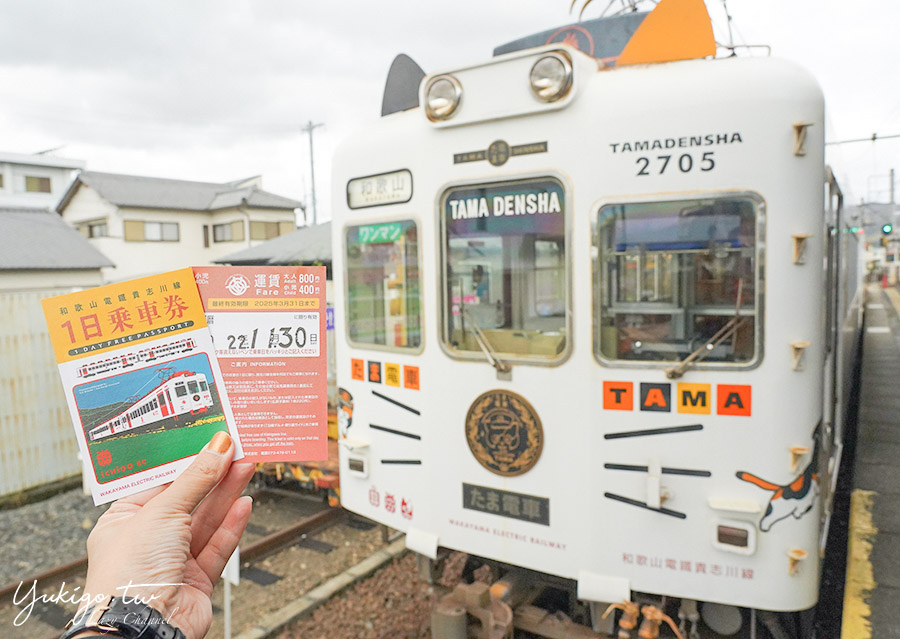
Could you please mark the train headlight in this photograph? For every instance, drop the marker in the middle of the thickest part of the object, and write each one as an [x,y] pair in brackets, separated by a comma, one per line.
[551,77]
[442,97]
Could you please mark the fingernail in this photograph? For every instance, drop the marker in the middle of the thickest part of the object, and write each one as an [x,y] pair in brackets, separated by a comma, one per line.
[220,442]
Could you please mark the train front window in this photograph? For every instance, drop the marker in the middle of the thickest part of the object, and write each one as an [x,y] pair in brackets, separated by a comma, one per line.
[180,390]
[193,387]
[383,305]
[505,270]
[203,385]
[677,278]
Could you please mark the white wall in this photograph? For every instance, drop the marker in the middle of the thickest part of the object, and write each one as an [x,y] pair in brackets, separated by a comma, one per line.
[37,442]
[13,192]
[41,279]
[135,259]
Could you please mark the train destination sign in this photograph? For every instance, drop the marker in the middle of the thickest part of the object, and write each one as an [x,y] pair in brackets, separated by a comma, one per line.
[506,208]
[380,233]
[143,383]
[377,190]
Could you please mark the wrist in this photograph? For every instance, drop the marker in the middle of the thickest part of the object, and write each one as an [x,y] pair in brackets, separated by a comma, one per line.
[121,617]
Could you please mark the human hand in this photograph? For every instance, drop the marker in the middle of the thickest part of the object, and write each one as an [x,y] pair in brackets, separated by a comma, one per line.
[171,543]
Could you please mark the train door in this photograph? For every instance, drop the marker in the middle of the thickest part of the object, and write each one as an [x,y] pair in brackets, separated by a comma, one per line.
[182,401]
[163,405]
[205,394]
[830,435]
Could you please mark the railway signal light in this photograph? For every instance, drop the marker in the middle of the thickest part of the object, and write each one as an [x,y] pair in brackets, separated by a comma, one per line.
[887,228]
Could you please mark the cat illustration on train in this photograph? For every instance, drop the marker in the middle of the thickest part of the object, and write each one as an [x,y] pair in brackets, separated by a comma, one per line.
[793,499]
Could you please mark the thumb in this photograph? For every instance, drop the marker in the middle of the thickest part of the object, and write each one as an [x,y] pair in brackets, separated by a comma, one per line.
[207,469]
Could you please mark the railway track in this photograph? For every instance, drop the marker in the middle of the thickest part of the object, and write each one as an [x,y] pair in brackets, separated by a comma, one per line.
[259,548]
[286,529]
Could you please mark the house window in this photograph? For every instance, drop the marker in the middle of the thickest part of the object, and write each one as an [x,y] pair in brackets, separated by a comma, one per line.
[161,231]
[34,184]
[263,230]
[139,231]
[95,228]
[231,232]
[269,230]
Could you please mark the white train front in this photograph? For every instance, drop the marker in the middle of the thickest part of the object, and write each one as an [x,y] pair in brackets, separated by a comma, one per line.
[593,336]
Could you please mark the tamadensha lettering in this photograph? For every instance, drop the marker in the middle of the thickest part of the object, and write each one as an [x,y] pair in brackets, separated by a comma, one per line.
[709,139]
[499,205]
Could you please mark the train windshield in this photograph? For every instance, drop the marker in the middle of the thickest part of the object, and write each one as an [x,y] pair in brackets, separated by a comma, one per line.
[505,270]
[676,278]
[383,306]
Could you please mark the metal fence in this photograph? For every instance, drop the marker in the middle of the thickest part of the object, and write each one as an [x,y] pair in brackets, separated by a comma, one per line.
[37,443]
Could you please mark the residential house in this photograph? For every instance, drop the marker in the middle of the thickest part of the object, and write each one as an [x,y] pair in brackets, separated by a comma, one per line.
[35,180]
[40,256]
[148,225]
[307,246]
[41,252]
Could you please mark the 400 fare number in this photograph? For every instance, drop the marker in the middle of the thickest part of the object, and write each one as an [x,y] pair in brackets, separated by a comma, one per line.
[273,335]
[683,162]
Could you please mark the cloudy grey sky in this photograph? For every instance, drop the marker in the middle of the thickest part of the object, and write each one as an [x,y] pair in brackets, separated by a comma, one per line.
[217,90]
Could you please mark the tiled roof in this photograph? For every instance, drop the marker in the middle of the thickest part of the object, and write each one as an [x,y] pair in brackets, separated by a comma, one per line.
[39,239]
[185,195]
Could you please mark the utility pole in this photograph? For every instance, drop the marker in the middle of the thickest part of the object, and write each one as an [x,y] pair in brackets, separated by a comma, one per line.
[312,173]
[892,187]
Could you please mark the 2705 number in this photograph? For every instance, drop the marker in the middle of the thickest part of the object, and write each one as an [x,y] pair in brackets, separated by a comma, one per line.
[684,162]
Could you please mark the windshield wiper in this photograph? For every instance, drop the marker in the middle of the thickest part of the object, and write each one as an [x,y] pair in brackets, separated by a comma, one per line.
[729,329]
[489,353]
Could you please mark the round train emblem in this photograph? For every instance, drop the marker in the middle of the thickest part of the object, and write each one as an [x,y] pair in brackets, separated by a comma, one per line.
[504,433]
[498,152]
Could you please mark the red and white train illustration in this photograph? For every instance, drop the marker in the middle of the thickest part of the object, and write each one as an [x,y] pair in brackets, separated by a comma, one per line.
[127,360]
[183,392]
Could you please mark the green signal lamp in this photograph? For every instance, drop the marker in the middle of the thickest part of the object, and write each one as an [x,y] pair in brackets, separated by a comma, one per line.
[887,228]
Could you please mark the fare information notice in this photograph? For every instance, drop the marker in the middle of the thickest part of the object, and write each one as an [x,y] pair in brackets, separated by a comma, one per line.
[268,326]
